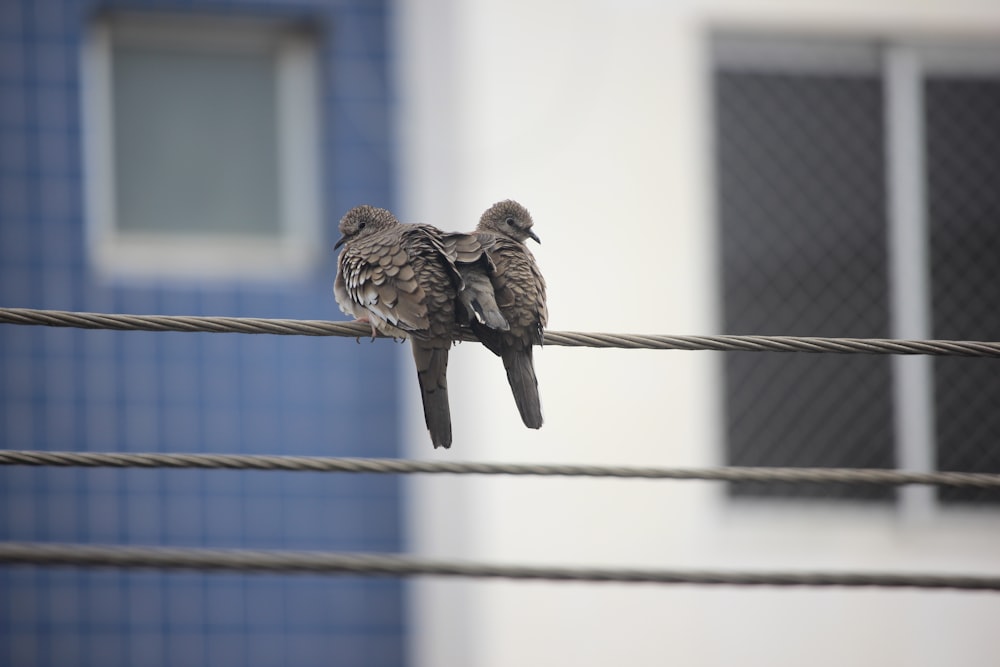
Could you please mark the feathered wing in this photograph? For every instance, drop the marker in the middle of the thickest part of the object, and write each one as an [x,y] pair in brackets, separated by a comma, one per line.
[475,294]
[378,279]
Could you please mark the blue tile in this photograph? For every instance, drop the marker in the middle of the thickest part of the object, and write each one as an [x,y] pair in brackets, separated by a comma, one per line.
[267,648]
[105,647]
[23,424]
[262,433]
[265,609]
[227,648]
[141,427]
[14,202]
[184,520]
[225,603]
[105,602]
[146,648]
[50,17]
[12,61]
[13,150]
[55,62]
[66,647]
[143,524]
[141,380]
[26,647]
[59,370]
[23,596]
[185,602]
[62,424]
[20,381]
[104,520]
[180,428]
[263,519]
[59,196]
[11,19]
[188,648]
[185,392]
[228,483]
[223,524]
[54,106]
[146,601]
[100,423]
[64,599]
[308,649]
[15,285]
[61,518]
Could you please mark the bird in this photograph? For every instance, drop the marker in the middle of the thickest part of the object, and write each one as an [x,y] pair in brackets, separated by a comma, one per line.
[404,281]
[519,290]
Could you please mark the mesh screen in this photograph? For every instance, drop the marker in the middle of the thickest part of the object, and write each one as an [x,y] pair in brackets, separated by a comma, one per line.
[802,219]
[963,162]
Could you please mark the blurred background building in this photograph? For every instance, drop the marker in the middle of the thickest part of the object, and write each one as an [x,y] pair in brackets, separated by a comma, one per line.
[770,167]
[193,158]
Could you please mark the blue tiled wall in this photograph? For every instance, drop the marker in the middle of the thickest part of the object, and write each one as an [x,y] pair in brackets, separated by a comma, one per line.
[106,391]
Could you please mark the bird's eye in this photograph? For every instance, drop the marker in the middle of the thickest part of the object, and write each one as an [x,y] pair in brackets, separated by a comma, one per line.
[509,221]
[361,225]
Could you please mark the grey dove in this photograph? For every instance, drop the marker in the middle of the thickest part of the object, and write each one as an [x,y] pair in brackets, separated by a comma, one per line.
[519,291]
[403,281]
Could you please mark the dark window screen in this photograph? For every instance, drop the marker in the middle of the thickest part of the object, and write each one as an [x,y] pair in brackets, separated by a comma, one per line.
[801,207]
[963,163]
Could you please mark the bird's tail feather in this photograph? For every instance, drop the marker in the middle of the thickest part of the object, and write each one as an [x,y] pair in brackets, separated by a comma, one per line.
[523,384]
[432,373]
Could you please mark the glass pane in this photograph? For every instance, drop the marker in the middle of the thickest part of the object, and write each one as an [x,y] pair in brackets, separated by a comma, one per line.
[963,160]
[801,207]
[195,138]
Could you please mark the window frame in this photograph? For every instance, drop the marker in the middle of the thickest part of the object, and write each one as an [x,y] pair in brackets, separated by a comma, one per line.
[902,64]
[129,254]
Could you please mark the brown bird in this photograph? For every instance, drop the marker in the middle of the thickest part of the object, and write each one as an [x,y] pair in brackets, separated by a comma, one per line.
[519,290]
[404,281]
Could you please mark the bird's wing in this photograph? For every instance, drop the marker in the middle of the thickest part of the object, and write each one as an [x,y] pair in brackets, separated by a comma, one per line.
[377,278]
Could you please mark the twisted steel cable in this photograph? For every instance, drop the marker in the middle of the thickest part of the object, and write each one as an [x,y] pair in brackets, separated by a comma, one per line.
[287,327]
[402,466]
[399,565]
[403,565]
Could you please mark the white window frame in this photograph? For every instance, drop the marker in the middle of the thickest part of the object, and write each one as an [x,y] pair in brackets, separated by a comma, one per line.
[901,64]
[115,253]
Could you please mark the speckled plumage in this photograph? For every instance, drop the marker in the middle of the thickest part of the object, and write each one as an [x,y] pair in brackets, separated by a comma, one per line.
[401,279]
[520,295]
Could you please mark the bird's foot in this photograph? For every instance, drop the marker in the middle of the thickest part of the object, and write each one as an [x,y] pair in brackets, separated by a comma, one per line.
[368,321]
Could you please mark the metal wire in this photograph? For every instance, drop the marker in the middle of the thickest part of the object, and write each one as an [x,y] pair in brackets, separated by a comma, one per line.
[401,466]
[398,565]
[286,327]
[402,565]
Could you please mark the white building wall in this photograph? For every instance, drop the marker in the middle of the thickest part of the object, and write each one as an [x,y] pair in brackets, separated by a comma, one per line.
[595,116]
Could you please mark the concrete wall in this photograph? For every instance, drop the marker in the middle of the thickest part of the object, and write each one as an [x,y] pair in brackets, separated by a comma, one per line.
[595,115]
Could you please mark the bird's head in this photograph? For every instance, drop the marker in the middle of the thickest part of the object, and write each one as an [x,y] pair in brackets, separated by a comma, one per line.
[363,221]
[510,219]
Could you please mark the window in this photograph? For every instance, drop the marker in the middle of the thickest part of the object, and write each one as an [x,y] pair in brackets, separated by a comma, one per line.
[858,191]
[201,147]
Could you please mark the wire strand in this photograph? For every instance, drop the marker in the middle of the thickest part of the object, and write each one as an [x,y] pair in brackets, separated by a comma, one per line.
[287,327]
[403,466]
[399,565]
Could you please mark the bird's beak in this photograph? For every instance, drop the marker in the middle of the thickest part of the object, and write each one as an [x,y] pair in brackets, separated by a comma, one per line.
[534,236]
[339,242]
